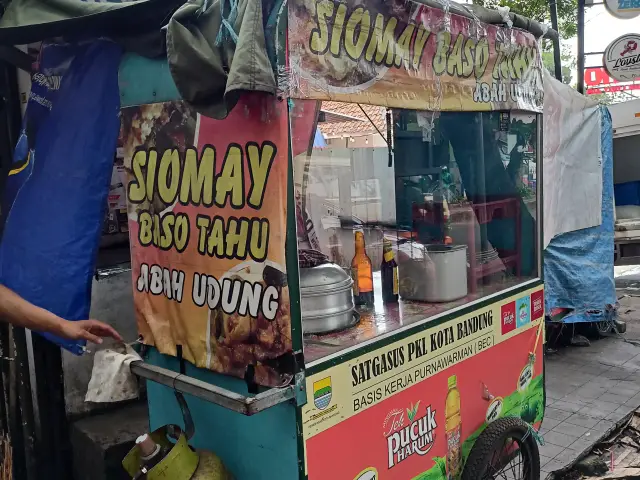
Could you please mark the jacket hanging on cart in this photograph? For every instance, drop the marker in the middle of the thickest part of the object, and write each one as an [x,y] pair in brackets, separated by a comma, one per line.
[216,50]
[56,195]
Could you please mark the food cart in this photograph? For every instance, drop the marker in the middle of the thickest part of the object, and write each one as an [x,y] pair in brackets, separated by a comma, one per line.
[262,241]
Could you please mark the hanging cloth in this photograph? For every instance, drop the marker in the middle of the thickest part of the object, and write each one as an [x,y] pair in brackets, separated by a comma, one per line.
[56,193]
[216,50]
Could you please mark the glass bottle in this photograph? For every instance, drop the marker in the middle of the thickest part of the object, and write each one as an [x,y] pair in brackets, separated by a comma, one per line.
[453,429]
[362,273]
[389,273]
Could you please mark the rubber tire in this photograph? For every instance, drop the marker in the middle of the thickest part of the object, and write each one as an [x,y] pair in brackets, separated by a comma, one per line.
[494,436]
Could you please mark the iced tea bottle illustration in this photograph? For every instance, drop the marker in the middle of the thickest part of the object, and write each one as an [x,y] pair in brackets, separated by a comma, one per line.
[453,427]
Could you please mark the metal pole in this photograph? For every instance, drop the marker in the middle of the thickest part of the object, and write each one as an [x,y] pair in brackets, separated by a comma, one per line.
[557,62]
[481,191]
[581,46]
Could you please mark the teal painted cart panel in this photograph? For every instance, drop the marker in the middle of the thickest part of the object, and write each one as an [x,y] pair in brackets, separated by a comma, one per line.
[143,80]
[263,446]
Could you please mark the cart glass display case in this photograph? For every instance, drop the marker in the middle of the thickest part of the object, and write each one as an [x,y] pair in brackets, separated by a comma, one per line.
[452,195]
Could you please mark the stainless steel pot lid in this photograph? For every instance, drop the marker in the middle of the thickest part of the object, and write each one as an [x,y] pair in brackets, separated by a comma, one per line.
[323,278]
[330,323]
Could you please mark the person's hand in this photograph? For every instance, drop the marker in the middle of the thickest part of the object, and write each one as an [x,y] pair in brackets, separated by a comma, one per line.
[91,330]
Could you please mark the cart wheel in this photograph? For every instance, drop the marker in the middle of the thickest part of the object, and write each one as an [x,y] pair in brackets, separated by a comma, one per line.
[505,450]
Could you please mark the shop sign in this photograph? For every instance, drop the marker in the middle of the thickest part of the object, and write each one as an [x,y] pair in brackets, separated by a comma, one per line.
[597,81]
[404,54]
[624,9]
[622,58]
[207,220]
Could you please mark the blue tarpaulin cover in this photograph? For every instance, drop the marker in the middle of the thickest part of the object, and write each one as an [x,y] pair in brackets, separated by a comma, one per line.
[318,140]
[56,193]
[578,266]
[627,193]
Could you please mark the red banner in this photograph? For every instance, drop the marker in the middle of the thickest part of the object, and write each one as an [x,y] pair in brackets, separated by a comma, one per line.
[410,435]
[597,80]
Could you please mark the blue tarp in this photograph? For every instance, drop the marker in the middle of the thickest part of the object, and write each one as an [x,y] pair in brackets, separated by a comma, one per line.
[627,193]
[318,140]
[578,266]
[56,194]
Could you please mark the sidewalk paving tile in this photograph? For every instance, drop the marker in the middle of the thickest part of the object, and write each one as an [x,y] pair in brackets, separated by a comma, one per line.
[555,465]
[570,406]
[581,420]
[619,414]
[585,442]
[599,409]
[556,414]
[551,451]
[567,456]
[628,387]
[634,401]
[570,429]
[559,439]
[619,398]
[548,424]
[589,390]
[544,461]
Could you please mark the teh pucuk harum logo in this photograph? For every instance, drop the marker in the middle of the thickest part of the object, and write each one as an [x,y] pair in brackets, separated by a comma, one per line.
[415,438]
[322,393]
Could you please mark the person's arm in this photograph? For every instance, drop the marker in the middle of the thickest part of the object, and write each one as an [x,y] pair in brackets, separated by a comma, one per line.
[19,312]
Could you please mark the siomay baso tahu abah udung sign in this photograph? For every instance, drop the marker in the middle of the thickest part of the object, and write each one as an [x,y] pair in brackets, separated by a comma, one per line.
[207,217]
[406,55]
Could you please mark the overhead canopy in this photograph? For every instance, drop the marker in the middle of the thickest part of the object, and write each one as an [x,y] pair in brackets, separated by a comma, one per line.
[30,21]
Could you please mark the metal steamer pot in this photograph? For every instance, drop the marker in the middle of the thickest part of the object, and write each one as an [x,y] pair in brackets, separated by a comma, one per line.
[326,299]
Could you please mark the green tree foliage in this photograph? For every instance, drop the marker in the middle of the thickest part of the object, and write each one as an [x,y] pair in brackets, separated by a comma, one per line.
[568,64]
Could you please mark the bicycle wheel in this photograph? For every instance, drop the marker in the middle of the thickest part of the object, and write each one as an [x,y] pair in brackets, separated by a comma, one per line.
[506,450]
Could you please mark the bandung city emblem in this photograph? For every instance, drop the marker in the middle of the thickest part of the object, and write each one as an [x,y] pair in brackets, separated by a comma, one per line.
[322,393]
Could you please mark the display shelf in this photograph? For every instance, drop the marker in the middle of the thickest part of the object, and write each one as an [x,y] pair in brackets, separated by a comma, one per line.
[472,215]
[382,319]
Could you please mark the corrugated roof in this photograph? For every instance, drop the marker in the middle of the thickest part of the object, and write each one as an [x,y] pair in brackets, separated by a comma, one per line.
[358,124]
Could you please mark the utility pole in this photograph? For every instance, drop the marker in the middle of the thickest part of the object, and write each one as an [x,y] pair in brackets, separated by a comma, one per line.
[557,63]
[581,8]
